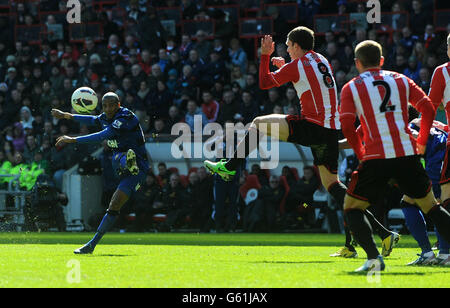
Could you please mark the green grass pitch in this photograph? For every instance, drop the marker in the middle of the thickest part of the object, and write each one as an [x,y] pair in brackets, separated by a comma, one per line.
[201,260]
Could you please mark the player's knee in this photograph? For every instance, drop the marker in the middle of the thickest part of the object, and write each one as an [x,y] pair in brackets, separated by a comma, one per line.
[353,203]
[257,122]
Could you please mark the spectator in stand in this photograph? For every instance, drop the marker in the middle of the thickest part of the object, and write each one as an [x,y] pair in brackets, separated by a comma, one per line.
[18,137]
[419,18]
[196,63]
[186,46]
[159,128]
[155,34]
[214,70]
[26,119]
[174,196]
[145,61]
[248,108]
[400,63]
[273,99]
[174,117]
[187,82]
[301,194]
[261,174]
[189,9]
[412,71]
[192,111]
[210,107]
[424,79]
[237,55]
[201,190]
[202,46]
[174,63]
[31,148]
[163,59]
[159,101]
[228,108]
[163,174]
[237,76]
[144,202]
[306,11]
[137,75]
[251,85]
[271,195]
[408,41]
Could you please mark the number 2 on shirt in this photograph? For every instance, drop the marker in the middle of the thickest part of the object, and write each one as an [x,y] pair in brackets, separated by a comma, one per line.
[385,105]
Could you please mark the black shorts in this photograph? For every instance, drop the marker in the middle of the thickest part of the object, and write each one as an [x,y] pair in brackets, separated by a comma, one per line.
[324,142]
[371,177]
[445,172]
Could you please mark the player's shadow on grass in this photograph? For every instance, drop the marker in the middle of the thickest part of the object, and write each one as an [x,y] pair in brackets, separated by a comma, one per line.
[389,273]
[111,255]
[293,262]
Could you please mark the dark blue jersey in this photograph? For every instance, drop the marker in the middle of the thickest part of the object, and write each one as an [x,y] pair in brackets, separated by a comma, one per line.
[435,152]
[123,132]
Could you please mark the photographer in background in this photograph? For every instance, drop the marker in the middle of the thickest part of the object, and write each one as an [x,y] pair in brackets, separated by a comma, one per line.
[44,206]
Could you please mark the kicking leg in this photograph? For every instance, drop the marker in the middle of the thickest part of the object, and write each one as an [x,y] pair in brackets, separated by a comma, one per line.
[119,198]
[271,125]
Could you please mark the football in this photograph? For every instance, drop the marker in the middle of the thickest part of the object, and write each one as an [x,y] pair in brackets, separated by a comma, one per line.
[84,100]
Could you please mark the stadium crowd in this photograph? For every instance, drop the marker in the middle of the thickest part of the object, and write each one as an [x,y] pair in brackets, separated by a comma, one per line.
[166,78]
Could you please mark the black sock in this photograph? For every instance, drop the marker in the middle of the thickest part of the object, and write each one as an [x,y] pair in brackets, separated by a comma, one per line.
[377,226]
[441,219]
[338,190]
[348,238]
[243,147]
[362,232]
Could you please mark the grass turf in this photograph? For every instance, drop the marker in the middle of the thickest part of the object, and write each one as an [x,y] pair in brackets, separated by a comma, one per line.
[202,260]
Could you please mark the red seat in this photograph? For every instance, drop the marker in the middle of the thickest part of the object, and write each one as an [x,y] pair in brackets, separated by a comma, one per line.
[174,170]
[250,182]
[285,184]
[191,170]
[184,180]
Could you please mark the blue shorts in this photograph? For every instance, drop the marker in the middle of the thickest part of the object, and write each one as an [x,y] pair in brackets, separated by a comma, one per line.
[131,183]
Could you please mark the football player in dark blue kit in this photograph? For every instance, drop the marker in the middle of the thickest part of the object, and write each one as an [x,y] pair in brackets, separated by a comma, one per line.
[124,135]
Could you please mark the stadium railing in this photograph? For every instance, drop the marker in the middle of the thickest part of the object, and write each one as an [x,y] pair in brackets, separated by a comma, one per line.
[17,212]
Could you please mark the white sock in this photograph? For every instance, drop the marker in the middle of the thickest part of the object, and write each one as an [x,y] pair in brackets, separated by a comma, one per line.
[443,256]
[428,254]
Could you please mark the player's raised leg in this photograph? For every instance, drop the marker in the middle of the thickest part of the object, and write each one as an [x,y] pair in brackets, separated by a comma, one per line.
[273,125]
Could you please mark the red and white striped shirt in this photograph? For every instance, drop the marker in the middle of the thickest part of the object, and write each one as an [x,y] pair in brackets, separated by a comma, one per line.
[312,78]
[440,88]
[380,100]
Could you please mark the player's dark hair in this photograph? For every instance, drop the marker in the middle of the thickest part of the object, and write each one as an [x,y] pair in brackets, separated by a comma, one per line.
[369,53]
[110,97]
[303,36]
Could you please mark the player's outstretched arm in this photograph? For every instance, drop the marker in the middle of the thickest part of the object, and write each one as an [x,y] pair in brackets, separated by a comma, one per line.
[64,139]
[56,113]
